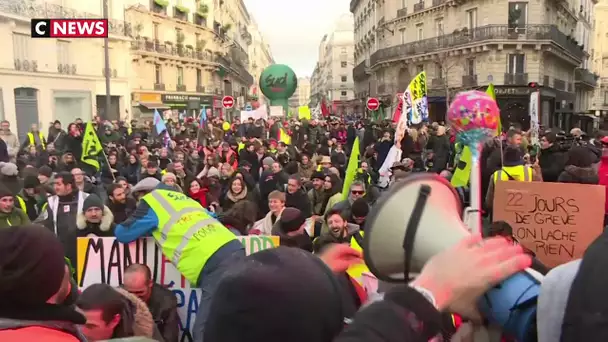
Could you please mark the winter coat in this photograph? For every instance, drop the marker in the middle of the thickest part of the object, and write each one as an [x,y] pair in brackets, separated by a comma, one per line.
[105,228]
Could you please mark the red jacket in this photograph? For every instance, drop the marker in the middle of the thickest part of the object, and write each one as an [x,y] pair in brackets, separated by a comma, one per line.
[602,174]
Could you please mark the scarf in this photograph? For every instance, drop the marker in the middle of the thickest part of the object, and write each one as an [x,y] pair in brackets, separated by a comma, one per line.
[237,197]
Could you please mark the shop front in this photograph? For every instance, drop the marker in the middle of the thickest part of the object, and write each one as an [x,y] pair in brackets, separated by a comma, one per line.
[514,104]
[144,104]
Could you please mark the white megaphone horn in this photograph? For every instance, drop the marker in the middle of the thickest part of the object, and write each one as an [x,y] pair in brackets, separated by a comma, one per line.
[420,217]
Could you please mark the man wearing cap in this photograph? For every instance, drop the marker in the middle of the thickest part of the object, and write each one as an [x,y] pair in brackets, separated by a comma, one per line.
[199,246]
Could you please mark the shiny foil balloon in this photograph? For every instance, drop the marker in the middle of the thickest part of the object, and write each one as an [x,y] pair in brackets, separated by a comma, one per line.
[474,116]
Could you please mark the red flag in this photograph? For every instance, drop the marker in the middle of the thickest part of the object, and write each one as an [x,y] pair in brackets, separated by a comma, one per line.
[398,110]
[324,110]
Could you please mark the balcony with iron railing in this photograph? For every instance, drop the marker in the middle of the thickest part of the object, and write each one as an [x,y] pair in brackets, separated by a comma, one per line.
[181,87]
[34,9]
[159,86]
[360,71]
[585,77]
[479,34]
[438,2]
[155,47]
[239,70]
[559,84]
[180,13]
[469,81]
[419,6]
[516,79]
[402,12]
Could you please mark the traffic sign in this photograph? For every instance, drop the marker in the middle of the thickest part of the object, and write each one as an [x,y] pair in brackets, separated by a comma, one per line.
[373,104]
[248,108]
[228,101]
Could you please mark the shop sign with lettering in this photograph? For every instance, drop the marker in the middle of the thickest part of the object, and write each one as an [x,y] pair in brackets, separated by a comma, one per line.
[176,98]
[510,91]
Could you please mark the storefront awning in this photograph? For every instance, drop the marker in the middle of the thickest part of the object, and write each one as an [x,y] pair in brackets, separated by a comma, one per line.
[154,105]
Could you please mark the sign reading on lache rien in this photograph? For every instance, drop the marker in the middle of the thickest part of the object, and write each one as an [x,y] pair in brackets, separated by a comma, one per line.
[557,221]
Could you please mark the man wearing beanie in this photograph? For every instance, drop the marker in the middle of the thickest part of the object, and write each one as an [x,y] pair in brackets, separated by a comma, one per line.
[291,228]
[199,246]
[34,284]
[317,195]
[9,214]
[30,200]
[95,218]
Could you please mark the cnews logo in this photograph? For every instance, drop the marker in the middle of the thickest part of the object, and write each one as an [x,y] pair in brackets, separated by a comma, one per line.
[69,28]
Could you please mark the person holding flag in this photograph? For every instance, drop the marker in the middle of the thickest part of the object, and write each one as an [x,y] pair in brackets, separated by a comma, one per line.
[161,128]
[91,149]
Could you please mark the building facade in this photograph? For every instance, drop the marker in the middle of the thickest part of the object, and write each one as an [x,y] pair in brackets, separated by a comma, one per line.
[260,57]
[42,80]
[301,97]
[189,54]
[332,78]
[468,44]
[600,59]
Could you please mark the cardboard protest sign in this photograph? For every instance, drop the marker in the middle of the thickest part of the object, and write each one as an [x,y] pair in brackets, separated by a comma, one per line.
[103,260]
[557,221]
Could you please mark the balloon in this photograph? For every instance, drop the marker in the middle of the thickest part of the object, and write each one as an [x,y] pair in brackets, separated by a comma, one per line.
[226,126]
[474,116]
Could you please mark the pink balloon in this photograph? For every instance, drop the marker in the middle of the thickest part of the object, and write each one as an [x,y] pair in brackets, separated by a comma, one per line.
[471,110]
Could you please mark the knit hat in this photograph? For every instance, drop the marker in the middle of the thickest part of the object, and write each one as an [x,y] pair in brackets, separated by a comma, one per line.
[306,300]
[146,184]
[168,175]
[9,169]
[359,208]
[30,182]
[291,220]
[45,171]
[32,266]
[213,172]
[318,175]
[92,201]
[5,192]
[268,161]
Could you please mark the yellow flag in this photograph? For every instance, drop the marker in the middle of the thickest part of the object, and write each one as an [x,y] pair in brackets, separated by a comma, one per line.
[91,147]
[284,137]
[490,91]
[351,169]
[304,112]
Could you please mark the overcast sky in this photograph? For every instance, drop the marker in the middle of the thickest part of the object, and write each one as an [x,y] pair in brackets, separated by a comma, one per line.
[294,28]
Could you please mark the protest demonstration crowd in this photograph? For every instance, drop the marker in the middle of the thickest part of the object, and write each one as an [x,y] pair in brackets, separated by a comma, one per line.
[256,229]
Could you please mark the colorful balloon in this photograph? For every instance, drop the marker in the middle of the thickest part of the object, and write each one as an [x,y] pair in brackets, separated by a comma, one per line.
[474,116]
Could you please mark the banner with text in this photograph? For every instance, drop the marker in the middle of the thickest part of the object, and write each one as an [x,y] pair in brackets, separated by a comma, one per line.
[557,221]
[103,260]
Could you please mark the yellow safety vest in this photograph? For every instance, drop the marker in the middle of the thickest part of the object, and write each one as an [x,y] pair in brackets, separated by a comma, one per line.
[162,172]
[356,271]
[520,173]
[187,235]
[30,136]
[21,203]
[241,146]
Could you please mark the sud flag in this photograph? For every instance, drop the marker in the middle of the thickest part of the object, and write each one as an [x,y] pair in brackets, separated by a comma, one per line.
[91,147]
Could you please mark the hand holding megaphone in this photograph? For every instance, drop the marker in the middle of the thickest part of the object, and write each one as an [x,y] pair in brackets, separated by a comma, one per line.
[458,276]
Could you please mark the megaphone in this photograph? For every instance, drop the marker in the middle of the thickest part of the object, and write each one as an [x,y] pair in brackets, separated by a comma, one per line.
[420,217]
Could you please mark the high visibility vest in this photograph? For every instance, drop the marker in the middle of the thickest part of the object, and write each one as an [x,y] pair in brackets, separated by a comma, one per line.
[22,205]
[520,173]
[356,271]
[30,136]
[187,235]
[241,146]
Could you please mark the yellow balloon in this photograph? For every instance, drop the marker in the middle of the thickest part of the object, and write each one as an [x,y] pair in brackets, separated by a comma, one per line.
[226,126]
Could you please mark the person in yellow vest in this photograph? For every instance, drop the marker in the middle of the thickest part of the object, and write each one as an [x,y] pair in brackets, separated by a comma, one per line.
[199,246]
[34,138]
[513,168]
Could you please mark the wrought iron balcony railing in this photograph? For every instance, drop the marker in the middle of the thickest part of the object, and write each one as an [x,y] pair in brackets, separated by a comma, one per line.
[181,87]
[34,9]
[239,70]
[170,49]
[438,2]
[478,34]
[159,86]
[419,6]
[360,71]
[516,79]
[469,81]
[402,12]
[586,77]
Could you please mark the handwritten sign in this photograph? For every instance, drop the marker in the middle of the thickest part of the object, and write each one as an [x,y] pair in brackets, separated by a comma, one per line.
[104,260]
[557,221]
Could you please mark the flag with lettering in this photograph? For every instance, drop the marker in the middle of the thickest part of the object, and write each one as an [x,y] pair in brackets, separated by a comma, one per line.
[91,147]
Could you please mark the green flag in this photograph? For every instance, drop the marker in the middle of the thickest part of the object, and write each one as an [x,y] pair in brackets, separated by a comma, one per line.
[351,169]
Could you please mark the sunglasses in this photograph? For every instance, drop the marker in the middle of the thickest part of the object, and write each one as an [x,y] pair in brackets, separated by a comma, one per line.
[355,192]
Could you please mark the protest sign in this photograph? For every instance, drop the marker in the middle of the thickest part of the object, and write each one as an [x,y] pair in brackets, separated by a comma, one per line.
[557,221]
[103,260]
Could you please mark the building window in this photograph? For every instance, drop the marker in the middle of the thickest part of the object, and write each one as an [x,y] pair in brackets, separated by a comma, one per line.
[343,64]
[470,67]
[438,71]
[403,3]
[420,31]
[158,74]
[606,97]
[199,77]
[343,93]
[21,46]
[419,68]
[439,27]
[516,63]
[472,19]
[63,52]
[180,76]
[156,31]
[343,78]
[402,34]
[518,11]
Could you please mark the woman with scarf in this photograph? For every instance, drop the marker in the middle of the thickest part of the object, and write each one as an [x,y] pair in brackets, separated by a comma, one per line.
[333,190]
[237,191]
[200,193]
[132,170]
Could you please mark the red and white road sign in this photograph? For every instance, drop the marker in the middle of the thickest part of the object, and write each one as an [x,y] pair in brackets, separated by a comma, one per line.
[373,104]
[228,101]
